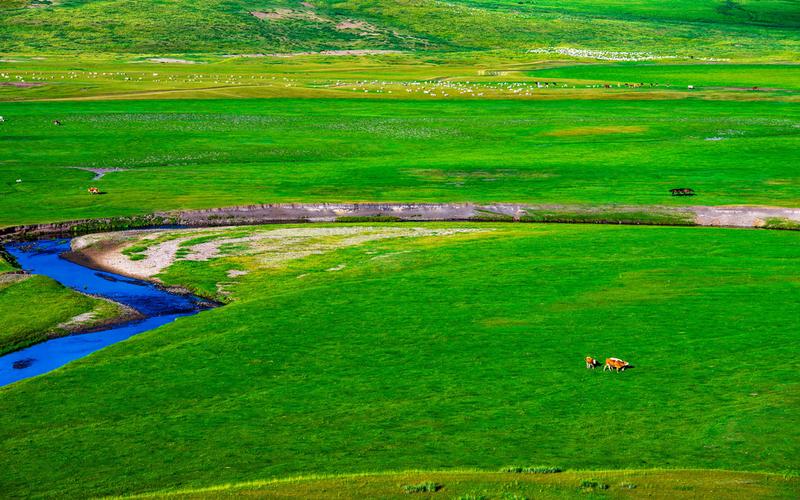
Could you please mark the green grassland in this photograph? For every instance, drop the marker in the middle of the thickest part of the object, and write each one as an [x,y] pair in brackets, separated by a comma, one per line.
[682,75]
[710,28]
[195,153]
[391,76]
[431,352]
[483,485]
[35,308]
[347,351]
[779,13]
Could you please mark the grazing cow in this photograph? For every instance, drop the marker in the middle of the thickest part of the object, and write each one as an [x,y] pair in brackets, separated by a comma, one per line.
[2,119]
[682,192]
[615,364]
[591,363]
[56,122]
[94,190]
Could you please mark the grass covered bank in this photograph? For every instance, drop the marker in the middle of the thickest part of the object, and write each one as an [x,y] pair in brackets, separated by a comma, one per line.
[453,350]
[35,308]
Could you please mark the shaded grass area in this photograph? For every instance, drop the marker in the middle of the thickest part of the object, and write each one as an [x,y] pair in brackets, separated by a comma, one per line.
[473,485]
[463,351]
[35,308]
[653,217]
[4,264]
[760,13]
[199,154]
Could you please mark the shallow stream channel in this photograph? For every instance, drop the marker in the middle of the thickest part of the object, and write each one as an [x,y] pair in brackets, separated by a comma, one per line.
[157,306]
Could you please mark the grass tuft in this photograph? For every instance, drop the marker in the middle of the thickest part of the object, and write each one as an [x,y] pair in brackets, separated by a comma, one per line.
[426,487]
[592,484]
[781,223]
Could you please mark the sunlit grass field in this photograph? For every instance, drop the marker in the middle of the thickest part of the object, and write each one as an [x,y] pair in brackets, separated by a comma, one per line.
[433,352]
[194,153]
[349,353]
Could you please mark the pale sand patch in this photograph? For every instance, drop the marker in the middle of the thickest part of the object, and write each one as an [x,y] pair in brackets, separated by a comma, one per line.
[79,320]
[99,173]
[278,14]
[235,273]
[271,247]
[172,60]
[13,277]
[352,24]
[349,52]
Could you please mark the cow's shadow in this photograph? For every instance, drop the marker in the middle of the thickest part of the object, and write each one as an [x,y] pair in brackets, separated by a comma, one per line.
[629,367]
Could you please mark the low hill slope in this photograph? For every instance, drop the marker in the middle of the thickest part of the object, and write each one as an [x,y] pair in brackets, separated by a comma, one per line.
[700,29]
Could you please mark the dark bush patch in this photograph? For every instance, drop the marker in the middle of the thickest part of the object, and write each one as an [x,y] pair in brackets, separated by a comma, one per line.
[426,487]
[591,484]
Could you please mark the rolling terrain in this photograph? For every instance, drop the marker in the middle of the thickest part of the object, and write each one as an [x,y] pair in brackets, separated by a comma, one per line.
[686,28]
[373,358]
[352,348]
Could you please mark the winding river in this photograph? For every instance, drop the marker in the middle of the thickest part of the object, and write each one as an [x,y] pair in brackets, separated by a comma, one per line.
[157,305]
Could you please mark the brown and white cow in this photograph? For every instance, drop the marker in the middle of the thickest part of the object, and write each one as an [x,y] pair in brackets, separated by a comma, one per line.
[591,363]
[615,364]
[94,190]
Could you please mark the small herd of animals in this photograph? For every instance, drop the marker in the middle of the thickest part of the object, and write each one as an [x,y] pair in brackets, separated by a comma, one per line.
[611,364]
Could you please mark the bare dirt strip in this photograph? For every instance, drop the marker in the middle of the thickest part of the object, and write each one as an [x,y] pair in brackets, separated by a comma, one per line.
[722,216]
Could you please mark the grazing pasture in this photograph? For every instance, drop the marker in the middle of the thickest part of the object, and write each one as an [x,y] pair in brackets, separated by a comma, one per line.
[167,154]
[463,349]
[371,358]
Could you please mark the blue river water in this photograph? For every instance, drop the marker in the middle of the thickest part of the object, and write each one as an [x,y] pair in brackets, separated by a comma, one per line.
[158,307]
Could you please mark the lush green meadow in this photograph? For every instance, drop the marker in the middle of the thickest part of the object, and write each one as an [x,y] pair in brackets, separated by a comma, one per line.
[433,352]
[196,153]
[455,349]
